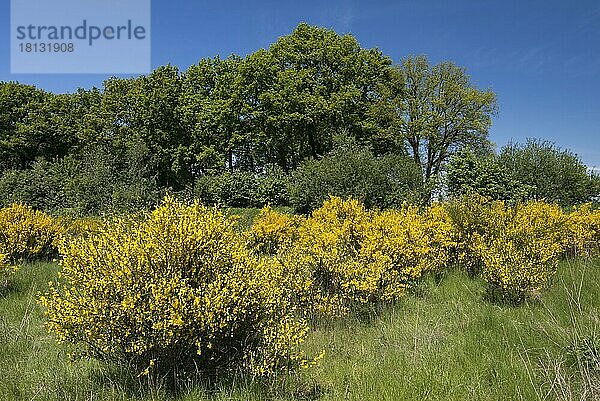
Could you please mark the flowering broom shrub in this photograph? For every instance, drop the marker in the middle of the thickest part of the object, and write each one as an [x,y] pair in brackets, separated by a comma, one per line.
[349,256]
[583,231]
[25,234]
[471,217]
[272,230]
[176,292]
[71,228]
[324,255]
[402,245]
[515,248]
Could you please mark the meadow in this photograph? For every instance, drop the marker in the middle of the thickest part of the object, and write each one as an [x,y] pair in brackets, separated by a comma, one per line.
[445,336]
[444,342]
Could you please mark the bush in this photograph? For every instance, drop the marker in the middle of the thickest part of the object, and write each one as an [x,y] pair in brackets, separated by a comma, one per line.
[354,256]
[470,219]
[72,228]
[514,248]
[41,186]
[468,174]
[352,171]
[102,179]
[172,294]
[271,231]
[243,189]
[26,234]
[403,245]
[327,254]
[583,231]
[555,175]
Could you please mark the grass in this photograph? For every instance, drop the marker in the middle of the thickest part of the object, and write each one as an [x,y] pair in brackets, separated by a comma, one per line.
[443,343]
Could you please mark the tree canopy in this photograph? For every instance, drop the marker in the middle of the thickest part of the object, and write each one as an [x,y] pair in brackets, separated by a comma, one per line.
[275,109]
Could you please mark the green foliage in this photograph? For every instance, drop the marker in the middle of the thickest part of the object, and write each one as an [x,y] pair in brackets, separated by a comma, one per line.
[243,189]
[353,171]
[555,174]
[467,173]
[219,127]
[311,84]
[434,110]
[102,179]
[147,109]
[38,125]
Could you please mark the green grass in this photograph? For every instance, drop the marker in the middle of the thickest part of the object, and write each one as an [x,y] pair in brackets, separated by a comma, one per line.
[444,343]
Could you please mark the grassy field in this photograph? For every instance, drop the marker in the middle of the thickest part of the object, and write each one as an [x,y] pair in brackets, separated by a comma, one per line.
[443,343]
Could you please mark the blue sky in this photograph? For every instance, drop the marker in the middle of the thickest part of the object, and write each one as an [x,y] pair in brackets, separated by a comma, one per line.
[541,58]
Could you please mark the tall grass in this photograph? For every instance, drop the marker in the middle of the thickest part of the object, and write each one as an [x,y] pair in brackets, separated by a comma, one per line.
[443,343]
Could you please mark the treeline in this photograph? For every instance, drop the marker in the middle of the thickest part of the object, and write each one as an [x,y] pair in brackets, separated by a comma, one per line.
[313,114]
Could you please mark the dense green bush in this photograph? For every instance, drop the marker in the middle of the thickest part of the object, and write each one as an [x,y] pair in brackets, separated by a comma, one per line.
[555,174]
[353,171]
[101,179]
[243,189]
[41,186]
[468,173]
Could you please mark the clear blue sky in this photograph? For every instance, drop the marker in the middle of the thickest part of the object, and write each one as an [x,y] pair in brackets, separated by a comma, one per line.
[542,58]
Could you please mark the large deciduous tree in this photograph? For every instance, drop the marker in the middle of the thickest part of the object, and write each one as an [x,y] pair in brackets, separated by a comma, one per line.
[309,85]
[434,110]
[35,124]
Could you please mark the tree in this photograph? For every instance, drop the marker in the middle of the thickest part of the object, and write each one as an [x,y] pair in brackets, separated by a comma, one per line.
[435,110]
[35,124]
[218,109]
[307,86]
[147,108]
[555,174]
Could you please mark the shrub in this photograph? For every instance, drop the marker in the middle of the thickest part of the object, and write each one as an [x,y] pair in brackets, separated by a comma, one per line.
[470,215]
[515,248]
[469,174]
[402,245]
[272,230]
[41,186]
[26,233]
[352,171]
[273,188]
[354,256]
[243,189]
[175,293]
[327,254]
[553,174]
[72,228]
[583,231]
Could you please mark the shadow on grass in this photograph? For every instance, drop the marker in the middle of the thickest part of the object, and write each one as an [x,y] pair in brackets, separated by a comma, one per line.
[9,287]
[292,386]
